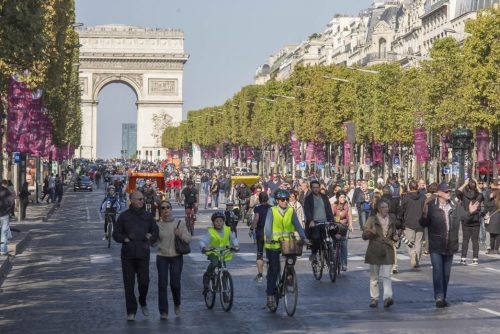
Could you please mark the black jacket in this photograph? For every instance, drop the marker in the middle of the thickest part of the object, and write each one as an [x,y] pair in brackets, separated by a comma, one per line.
[411,209]
[135,224]
[309,208]
[467,196]
[6,201]
[441,240]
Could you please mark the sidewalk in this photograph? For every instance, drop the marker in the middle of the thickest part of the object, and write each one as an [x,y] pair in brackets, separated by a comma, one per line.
[35,213]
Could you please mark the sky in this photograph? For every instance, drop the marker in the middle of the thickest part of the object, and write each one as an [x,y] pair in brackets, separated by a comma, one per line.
[226,40]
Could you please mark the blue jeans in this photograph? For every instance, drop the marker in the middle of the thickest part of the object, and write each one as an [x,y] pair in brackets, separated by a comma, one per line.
[273,256]
[166,265]
[4,228]
[441,269]
[343,250]
[362,217]
[215,200]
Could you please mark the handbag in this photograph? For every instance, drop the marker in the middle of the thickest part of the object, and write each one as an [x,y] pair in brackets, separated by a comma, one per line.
[181,246]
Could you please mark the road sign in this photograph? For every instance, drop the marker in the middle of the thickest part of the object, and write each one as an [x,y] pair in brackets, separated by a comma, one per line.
[302,165]
[397,162]
[446,170]
[320,165]
[17,157]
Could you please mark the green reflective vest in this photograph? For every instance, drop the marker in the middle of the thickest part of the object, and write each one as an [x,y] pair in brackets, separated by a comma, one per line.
[371,184]
[282,227]
[217,241]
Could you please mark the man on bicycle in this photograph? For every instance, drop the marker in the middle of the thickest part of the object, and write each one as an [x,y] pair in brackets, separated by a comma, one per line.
[317,209]
[217,236]
[282,223]
[109,205]
[190,196]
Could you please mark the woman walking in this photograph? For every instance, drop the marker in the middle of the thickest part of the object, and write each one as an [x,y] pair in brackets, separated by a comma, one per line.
[294,203]
[168,261]
[493,226]
[24,196]
[342,213]
[380,229]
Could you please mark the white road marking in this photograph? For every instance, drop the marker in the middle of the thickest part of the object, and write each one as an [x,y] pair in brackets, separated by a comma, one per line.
[198,257]
[493,269]
[355,258]
[490,311]
[403,257]
[396,279]
[88,214]
[51,259]
[101,258]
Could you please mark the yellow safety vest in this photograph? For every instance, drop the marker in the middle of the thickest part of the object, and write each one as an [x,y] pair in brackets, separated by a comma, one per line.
[217,241]
[282,227]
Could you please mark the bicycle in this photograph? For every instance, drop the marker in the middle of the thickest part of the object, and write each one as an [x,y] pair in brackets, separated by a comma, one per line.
[325,253]
[286,284]
[220,281]
[109,218]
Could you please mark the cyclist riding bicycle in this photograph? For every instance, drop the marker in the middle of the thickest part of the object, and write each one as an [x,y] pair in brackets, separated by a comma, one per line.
[109,205]
[282,223]
[217,236]
[190,196]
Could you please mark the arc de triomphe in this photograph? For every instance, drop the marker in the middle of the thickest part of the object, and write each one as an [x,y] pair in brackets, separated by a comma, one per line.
[151,62]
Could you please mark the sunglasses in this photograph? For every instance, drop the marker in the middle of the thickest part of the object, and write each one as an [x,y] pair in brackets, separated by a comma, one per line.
[282,200]
[166,207]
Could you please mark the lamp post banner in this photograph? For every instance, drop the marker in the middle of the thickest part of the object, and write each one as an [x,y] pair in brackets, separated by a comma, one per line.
[444,147]
[483,144]
[248,152]
[235,152]
[376,152]
[319,152]
[294,143]
[347,152]
[309,151]
[420,141]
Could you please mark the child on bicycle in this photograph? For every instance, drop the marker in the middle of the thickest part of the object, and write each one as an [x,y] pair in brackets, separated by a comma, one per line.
[114,205]
[217,236]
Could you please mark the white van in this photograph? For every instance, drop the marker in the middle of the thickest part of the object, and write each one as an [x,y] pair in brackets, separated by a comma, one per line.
[241,171]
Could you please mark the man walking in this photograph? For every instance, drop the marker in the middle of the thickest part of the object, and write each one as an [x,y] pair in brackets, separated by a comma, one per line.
[442,217]
[6,203]
[362,198]
[136,230]
[411,212]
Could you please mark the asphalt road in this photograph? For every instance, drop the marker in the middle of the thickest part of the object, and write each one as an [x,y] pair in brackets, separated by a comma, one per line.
[68,281]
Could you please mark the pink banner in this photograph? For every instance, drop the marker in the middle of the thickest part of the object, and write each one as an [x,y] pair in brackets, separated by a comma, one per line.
[420,142]
[309,151]
[444,139]
[218,151]
[483,145]
[376,153]
[294,143]
[248,153]
[347,152]
[235,152]
[319,152]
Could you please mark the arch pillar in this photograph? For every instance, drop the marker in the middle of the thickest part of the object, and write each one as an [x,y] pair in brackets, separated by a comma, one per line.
[88,143]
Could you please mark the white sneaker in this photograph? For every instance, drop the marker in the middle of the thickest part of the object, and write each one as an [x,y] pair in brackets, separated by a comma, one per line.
[475,262]
[105,237]
[463,261]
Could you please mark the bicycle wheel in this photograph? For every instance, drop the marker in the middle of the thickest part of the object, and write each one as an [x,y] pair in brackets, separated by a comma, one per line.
[210,295]
[339,260]
[110,230]
[226,291]
[332,264]
[291,291]
[317,265]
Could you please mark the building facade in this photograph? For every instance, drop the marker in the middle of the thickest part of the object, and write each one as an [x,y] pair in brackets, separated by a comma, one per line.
[402,30]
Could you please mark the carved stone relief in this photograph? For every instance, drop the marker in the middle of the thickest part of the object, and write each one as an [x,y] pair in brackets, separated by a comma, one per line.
[84,85]
[162,87]
[160,121]
[131,64]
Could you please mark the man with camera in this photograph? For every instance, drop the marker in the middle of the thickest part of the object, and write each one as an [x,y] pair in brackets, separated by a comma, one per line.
[411,208]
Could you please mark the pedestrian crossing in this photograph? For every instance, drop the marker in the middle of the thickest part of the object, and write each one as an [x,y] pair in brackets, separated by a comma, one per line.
[194,257]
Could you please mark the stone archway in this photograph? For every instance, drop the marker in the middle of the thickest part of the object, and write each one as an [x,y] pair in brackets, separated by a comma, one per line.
[151,62]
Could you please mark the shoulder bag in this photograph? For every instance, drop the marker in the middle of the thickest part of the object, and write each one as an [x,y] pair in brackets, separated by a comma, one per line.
[181,246]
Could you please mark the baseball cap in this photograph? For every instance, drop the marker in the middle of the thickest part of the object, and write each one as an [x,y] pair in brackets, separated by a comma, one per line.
[443,187]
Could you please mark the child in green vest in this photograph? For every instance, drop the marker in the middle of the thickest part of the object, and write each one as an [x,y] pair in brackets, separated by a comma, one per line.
[217,236]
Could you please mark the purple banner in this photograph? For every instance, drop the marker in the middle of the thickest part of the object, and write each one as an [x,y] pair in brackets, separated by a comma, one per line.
[376,153]
[235,152]
[294,143]
[218,151]
[309,151]
[347,152]
[483,145]
[248,153]
[319,152]
[420,141]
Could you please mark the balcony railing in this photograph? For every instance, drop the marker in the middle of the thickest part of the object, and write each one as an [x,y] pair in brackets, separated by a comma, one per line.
[373,57]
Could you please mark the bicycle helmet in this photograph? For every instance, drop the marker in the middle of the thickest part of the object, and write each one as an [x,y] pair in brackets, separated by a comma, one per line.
[218,214]
[111,188]
[282,194]
[229,203]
